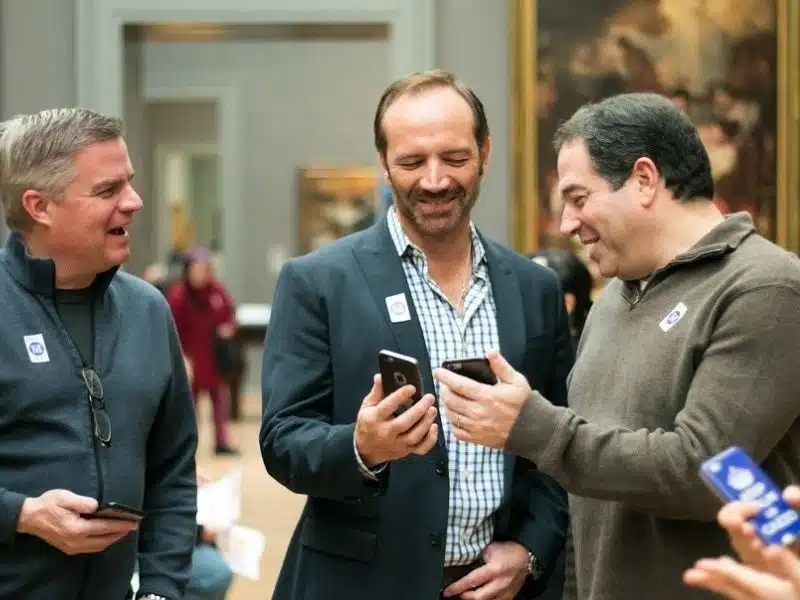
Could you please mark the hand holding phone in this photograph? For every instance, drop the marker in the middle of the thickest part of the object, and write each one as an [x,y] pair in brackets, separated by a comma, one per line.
[395,418]
[735,477]
[477,369]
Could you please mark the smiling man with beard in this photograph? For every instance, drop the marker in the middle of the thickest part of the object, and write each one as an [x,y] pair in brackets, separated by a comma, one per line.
[397,507]
[96,407]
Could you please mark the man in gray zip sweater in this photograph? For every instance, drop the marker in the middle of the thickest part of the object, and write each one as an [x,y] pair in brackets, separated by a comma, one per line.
[693,346]
[96,406]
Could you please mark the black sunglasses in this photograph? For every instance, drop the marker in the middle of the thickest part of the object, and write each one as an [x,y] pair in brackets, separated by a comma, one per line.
[102,424]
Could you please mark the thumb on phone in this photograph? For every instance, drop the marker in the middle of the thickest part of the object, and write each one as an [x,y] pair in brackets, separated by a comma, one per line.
[376,393]
[792,496]
[504,371]
[79,504]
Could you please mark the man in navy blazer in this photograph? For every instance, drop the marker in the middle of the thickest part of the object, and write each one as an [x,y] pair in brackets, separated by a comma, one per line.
[397,508]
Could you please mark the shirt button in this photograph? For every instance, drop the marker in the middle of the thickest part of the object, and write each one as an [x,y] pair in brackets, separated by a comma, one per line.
[440,468]
[436,540]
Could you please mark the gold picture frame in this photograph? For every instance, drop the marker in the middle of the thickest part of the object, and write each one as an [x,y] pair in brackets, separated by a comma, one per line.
[334,202]
[527,226]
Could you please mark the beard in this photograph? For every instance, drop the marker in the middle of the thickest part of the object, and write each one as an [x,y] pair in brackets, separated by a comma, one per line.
[436,214]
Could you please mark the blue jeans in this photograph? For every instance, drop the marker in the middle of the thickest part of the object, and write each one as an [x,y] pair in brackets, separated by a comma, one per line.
[210,575]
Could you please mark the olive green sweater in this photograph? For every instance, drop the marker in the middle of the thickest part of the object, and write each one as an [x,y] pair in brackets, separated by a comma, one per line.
[707,356]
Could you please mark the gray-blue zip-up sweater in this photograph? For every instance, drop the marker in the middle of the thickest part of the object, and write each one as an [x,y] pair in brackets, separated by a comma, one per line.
[47,441]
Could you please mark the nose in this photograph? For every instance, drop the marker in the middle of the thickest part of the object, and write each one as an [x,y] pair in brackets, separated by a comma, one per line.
[131,202]
[433,179]
[569,221]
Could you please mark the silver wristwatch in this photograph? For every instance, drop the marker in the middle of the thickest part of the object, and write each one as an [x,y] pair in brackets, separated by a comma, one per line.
[534,567]
[153,597]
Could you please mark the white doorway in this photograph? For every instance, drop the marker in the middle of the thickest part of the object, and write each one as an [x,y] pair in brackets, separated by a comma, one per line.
[188,191]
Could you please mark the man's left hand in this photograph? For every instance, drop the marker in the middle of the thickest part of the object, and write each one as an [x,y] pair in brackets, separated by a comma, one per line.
[501,577]
[484,414]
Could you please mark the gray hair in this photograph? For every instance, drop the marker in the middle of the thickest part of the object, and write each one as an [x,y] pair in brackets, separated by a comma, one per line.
[37,152]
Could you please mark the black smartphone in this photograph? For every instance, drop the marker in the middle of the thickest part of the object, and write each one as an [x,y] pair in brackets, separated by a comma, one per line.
[396,371]
[477,369]
[115,510]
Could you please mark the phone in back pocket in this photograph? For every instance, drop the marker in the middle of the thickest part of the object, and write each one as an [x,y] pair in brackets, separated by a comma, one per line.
[477,369]
[733,476]
[398,370]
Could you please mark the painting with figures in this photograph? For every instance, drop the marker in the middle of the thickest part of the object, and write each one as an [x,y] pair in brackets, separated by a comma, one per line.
[718,60]
[334,202]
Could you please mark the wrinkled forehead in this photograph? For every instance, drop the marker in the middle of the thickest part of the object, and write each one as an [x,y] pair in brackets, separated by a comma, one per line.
[438,117]
[103,161]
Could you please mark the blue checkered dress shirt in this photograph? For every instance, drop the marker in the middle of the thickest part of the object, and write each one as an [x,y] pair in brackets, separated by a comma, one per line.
[476,472]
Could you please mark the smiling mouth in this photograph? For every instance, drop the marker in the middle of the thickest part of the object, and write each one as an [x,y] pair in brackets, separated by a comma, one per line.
[118,231]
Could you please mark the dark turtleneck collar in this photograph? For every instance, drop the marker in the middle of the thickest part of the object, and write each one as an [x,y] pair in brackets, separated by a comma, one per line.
[39,274]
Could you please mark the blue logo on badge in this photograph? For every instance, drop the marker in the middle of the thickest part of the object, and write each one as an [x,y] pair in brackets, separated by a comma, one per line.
[36,348]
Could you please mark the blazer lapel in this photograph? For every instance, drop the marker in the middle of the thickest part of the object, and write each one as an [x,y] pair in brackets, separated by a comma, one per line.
[510,321]
[385,277]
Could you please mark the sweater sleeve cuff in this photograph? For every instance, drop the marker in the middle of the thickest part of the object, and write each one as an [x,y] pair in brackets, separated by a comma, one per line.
[10,507]
[159,586]
[535,429]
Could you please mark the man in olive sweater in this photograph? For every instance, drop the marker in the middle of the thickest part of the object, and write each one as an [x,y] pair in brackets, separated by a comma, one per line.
[693,346]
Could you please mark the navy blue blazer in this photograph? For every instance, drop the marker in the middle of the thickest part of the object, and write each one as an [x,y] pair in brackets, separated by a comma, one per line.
[358,539]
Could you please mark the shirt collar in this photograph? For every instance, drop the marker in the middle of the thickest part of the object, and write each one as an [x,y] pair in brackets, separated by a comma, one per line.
[405,247]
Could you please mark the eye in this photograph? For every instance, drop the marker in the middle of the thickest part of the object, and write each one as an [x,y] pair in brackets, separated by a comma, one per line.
[579,201]
[457,162]
[107,193]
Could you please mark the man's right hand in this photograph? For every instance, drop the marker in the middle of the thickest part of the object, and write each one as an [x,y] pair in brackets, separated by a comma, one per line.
[382,437]
[56,517]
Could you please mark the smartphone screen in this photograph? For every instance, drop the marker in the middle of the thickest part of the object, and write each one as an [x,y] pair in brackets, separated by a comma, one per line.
[734,476]
[477,369]
[398,370]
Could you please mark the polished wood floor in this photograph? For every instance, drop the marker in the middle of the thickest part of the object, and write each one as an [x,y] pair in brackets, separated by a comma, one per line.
[266,505]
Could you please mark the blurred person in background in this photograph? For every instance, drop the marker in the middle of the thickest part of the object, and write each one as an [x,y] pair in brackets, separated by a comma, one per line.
[206,321]
[576,283]
[96,404]
[210,577]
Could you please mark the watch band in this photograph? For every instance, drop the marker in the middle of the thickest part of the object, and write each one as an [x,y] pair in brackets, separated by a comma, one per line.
[534,567]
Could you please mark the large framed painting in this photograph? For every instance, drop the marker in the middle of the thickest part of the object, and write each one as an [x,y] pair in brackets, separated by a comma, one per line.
[733,65]
[334,202]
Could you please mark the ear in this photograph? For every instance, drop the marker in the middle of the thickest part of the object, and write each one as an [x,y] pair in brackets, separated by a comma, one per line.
[384,166]
[645,179]
[486,154]
[38,206]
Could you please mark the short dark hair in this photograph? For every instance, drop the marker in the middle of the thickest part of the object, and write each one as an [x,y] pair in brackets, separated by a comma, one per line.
[621,129]
[422,81]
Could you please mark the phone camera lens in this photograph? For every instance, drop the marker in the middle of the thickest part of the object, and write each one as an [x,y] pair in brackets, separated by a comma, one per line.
[399,378]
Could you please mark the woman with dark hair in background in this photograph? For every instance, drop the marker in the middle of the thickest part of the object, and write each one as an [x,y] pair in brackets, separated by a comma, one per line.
[576,283]
[205,319]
